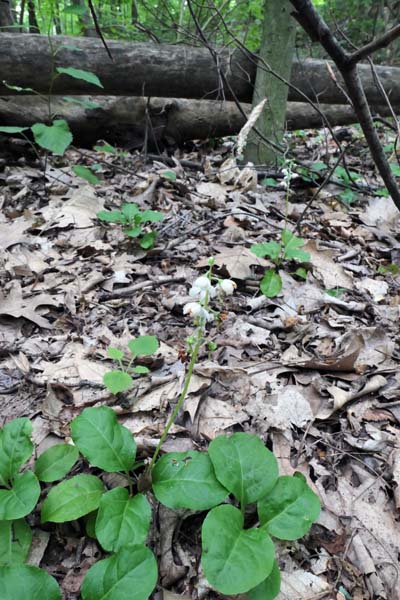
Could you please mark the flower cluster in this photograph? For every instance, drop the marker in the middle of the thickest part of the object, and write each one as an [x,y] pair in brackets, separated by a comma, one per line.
[203,290]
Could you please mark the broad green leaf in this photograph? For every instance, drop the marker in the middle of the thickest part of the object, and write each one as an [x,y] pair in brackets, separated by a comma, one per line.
[234,559]
[382,192]
[86,174]
[130,573]
[121,520]
[55,137]
[269,588]
[115,353]
[271,283]
[21,499]
[11,129]
[87,76]
[117,381]
[15,541]
[15,447]
[144,345]
[90,524]
[395,168]
[335,292]
[391,269]
[130,211]
[292,245]
[244,466]
[72,498]
[271,249]
[85,103]
[148,240]
[110,216]
[25,581]
[301,272]
[187,480]
[102,440]
[289,509]
[269,182]
[140,370]
[151,216]
[56,462]
[171,175]
[133,231]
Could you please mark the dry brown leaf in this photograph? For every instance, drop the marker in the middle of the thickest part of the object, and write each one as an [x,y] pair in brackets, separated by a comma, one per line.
[325,268]
[17,306]
[237,262]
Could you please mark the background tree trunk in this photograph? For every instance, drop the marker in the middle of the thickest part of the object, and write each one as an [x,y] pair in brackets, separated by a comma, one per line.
[6,16]
[276,52]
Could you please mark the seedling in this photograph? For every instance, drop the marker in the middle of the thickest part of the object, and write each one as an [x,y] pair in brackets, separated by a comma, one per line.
[121,379]
[132,219]
[288,249]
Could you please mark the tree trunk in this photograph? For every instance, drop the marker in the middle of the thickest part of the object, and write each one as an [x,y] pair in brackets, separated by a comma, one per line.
[33,24]
[276,52]
[165,70]
[6,16]
[122,121]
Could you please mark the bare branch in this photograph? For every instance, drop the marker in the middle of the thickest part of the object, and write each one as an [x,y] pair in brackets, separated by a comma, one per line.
[380,42]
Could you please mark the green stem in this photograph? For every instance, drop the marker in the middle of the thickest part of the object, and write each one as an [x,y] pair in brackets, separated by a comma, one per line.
[181,397]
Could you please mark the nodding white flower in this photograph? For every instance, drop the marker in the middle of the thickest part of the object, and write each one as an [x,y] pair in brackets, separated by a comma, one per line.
[227,286]
[196,311]
[201,288]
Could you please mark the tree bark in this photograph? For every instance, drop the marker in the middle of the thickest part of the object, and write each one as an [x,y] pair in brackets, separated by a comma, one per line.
[122,121]
[167,71]
[277,47]
[6,16]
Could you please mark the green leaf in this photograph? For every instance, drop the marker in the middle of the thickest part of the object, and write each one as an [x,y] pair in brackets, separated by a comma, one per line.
[90,523]
[290,508]
[271,283]
[271,249]
[292,245]
[15,541]
[15,447]
[110,216]
[18,88]
[140,370]
[85,103]
[130,573]
[301,272]
[171,175]
[144,345]
[391,269]
[348,196]
[269,588]
[148,240]
[133,231]
[395,168]
[71,499]
[105,148]
[244,466]
[117,381]
[102,440]
[269,182]
[56,137]
[115,353]
[21,499]
[26,581]
[11,129]
[87,76]
[319,166]
[187,480]
[335,292]
[56,462]
[130,211]
[121,520]
[86,174]
[151,216]
[234,559]
[382,192]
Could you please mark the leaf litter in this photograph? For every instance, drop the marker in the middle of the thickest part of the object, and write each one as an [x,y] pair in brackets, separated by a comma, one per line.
[314,371]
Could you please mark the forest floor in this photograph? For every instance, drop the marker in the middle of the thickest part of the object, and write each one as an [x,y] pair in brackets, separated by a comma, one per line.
[313,371]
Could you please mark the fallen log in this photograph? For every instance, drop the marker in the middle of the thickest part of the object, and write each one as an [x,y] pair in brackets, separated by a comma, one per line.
[127,121]
[163,70]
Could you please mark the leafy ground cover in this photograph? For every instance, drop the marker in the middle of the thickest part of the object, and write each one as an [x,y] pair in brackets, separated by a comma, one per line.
[314,371]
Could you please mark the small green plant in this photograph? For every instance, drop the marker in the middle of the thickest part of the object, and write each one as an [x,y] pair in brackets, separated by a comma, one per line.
[121,379]
[335,292]
[132,219]
[391,269]
[288,249]
[235,559]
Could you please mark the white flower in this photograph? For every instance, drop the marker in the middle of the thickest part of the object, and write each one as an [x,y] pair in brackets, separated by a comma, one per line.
[196,311]
[201,288]
[227,286]
[202,282]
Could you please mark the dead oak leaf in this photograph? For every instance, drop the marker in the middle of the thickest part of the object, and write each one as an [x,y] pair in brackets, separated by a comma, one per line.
[15,305]
[237,262]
